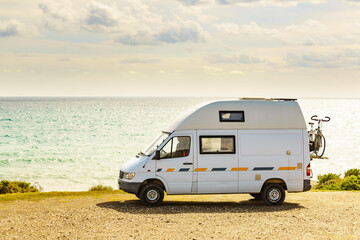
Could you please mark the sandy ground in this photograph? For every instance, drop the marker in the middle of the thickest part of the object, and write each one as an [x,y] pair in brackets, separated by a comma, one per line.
[310,215]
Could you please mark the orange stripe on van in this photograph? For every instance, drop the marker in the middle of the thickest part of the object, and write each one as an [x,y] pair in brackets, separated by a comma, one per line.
[170,169]
[287,168]
[239,169]
[200,170]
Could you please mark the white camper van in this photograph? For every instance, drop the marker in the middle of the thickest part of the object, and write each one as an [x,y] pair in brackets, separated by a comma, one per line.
[254,146]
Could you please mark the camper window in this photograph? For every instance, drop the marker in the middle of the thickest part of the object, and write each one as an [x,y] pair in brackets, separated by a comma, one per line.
[231,116]
[217,144]
[176,147]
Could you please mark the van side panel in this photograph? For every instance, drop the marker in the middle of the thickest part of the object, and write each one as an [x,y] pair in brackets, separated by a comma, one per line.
[269,154]
[216,172]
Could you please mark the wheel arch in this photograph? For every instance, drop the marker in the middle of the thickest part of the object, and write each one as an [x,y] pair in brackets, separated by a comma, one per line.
[153,180]
[275,180]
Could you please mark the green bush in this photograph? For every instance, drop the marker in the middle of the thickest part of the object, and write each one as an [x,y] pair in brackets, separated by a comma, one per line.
[352,172]
[101,188]
[329,181]
[16,187]
[333,181]
[328,178]
[351,183]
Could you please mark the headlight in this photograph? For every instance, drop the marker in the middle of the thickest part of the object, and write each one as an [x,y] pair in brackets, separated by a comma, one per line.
[129,176]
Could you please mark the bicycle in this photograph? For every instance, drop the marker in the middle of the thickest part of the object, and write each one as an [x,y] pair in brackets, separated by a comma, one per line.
[317,143]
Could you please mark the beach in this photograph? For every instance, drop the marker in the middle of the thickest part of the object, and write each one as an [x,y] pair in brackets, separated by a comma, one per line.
[117,215]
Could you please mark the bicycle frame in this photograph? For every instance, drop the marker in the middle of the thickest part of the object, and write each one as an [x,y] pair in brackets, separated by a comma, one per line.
[316,138]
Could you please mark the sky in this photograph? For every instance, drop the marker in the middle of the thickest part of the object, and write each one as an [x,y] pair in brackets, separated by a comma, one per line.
[215,48]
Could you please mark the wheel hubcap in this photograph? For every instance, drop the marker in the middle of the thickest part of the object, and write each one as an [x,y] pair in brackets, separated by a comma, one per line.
[152,195]
[274,195]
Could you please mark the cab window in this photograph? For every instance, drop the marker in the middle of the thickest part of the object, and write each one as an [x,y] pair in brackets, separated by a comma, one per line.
[176,147]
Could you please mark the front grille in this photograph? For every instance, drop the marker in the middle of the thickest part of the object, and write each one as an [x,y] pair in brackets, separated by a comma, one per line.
[121,175]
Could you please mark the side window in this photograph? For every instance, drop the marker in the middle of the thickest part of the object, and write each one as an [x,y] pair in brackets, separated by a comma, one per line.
[217,144]
[165,152]
[232,116]
[176,147]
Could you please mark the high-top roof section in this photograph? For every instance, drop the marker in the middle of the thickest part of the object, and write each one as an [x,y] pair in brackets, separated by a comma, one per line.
[269,114]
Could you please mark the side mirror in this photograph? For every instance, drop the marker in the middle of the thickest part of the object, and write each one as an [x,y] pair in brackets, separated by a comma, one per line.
[157,155]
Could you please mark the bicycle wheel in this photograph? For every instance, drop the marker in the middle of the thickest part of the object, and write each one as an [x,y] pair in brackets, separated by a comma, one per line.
[319,144]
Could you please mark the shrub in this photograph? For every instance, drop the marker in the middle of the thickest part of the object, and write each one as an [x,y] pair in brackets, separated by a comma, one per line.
[351,183]
[16,187]
[352,172]
[333,181]
[330,181]
[101,188]
[328,178]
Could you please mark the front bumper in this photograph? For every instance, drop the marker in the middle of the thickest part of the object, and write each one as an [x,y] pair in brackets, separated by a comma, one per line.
[130,187]
[307,185]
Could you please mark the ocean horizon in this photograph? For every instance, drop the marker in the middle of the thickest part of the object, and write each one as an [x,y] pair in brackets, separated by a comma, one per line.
[73,143]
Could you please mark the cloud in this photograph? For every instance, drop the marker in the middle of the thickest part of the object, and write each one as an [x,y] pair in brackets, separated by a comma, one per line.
[232,59]
[254,29]
[228,28]
[247,3]
[134,24]
[137,60]
[338,58]
[237,72]
[101,14]
[308,33]
[220,71]
[181,31]
[13,28]
[312,60]
[59,16]
[197,2]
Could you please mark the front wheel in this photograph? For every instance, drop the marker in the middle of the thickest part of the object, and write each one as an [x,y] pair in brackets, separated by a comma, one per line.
[273,194]
[151,194]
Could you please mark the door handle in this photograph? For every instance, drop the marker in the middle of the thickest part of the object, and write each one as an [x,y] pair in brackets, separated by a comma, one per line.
[187,163]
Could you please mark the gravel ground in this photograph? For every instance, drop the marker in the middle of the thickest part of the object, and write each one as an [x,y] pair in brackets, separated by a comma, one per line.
[310,215]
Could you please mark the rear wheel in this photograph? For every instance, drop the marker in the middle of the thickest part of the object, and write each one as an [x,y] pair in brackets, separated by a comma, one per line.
[319,144]
[273,194]
[151,194]
[256,196]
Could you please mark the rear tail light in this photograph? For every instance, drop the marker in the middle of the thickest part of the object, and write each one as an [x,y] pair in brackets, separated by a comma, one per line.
[308,170]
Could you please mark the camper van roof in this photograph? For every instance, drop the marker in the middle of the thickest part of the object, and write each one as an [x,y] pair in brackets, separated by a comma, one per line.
[257,114]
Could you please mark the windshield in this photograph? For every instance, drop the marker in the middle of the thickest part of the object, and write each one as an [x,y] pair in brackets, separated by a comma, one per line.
[153,146]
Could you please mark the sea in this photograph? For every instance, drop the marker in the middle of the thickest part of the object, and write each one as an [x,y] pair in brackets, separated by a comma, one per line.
[72,144]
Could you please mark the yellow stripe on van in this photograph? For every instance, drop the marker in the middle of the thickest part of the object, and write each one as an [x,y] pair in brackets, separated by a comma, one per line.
[287,168]
[170,169]
[239,169]
[200,169]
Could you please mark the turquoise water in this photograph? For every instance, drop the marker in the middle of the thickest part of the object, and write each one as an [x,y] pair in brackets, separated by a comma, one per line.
[75,143]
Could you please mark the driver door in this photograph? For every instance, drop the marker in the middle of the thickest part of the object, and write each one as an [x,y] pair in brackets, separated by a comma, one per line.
[176,163]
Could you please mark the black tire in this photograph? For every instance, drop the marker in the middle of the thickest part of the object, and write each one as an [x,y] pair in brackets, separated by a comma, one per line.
[256,196]
[137,195]
[273,194]
[151,194]
[320,145]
